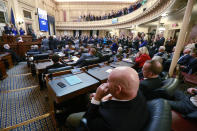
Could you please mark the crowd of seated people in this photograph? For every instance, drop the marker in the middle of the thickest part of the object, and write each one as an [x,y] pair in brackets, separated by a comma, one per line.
[124,87]
[113,14]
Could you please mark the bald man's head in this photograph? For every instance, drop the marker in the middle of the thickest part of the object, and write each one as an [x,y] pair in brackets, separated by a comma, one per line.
[123,83]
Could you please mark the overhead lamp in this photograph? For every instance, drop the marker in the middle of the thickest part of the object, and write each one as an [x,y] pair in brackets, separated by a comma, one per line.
[162,28]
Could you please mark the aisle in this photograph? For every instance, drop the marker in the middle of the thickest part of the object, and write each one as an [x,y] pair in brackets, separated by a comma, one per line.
[21,100]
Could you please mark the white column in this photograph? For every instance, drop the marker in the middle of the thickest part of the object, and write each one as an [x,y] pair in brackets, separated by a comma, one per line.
[158,25]
[182,35]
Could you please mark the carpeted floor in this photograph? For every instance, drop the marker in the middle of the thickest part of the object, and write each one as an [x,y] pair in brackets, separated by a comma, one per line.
[21,100]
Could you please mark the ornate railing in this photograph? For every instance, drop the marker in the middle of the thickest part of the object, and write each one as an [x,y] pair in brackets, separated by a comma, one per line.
[154,8]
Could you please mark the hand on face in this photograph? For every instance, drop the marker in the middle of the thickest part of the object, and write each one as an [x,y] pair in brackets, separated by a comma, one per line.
[101,91]
[92,95]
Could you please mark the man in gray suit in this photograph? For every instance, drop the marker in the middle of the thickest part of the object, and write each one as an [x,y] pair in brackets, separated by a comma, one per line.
[45,43]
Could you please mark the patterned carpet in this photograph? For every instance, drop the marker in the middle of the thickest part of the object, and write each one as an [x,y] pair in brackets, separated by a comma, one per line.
[21,100]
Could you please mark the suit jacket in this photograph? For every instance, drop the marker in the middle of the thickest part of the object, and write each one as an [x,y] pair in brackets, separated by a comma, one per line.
[192,66]
[15,58]
[147,87]
[22,32]
[83,57]
[45,42]
[161,41]
[114,47]
[7,30]
[118,115]
[184,60]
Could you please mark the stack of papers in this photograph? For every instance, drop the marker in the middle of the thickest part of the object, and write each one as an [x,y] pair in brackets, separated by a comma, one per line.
[60,54]
[74,58]
[127,60]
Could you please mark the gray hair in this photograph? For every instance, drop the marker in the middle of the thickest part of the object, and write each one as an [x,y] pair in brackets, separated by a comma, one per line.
[158,58]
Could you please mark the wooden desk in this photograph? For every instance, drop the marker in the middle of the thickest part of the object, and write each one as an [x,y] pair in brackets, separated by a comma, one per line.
[59,95]
[3,69]
[100,73]
[121,63]
[40,68]
[20,47]
[6,57]
[41,65]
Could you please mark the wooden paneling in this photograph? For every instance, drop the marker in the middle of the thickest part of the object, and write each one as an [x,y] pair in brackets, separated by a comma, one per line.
[2,69]
[19,47]
[7,58]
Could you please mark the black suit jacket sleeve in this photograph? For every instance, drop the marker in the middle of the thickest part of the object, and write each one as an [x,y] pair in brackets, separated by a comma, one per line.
[81,59]
[94,119]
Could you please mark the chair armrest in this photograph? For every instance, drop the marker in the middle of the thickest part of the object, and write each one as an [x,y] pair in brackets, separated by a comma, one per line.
[192,115]
[83,125]
[160,116]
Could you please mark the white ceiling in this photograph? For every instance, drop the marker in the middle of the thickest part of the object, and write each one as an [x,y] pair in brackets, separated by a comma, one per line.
[119,1]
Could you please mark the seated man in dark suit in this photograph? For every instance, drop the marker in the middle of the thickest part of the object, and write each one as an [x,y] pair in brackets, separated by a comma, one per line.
[56,63]
[185,58]
[151,71]
[185,103]
[90,54]
[162,53]
[117,105]
[191,65]
[15,58]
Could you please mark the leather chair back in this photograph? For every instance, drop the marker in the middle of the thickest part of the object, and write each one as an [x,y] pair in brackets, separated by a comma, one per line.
[90,61]
[170,85]
[168,88]
[105,57]
[160,116]
[33,53]
[59,69]
[41,56]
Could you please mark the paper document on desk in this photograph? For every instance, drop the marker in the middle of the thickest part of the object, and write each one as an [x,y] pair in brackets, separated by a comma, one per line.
[60,54]
[73,80]
[127,60]
[109,71]
[74,58]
